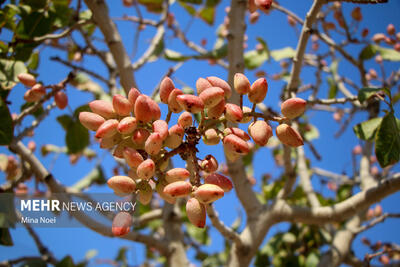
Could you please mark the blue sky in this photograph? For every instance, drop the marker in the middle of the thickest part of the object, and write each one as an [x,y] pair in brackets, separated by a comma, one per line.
[274,29]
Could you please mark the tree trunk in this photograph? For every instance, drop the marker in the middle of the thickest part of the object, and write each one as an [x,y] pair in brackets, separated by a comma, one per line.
[174,236]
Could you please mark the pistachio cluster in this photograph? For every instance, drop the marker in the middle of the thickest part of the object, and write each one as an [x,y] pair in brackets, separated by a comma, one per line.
[132,127]
[37,90]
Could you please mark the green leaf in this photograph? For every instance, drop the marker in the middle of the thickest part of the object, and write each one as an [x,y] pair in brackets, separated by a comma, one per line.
[66,262]
[220,52]
[8,16]
[9,70]
[220,41]
[65,121]
[254,59]
[311,133]
[271,190]
[33,263]
[81,109]
[3,47]
[174,56]
[387,146]
[33,61]
[84,83]
[158,50]
[333,88]
[188,90]
[121,256]
[8,216]
[91,254]
[334,66]
[6,125]
[396,98]
[34,4]
[207,14]
[151,2]
[63,14]
[248,159]
[5,237]
[289,238]
[61,3]
[197,117]
[212,3]
[190,9]
[365,93]
[388,93]
[367,129]
[23,51]
[85,15]
[217,53]
[34,24]
[368,52]
[96,176]
[388,54]
[325,234]
[312,260]
[196,2]
[199,234]
[88,28]
[287,52]
[77,138]
[344,192]
[262,258]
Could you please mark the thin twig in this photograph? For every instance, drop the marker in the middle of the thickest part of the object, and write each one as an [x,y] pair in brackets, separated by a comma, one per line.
[36,122]
[75,67]
[54,35]
[113,40]
[375,221]
[155,41]
[170,71]
[294,80]
[225,231]
[332,101]
[43,250]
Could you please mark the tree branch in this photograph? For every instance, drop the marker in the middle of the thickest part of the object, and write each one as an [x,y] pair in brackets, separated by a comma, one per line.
[155,41]
[235,37]
[301,47]
[12,262]
[181,35]
[289,173]
[76,67]
[341,244]
[147,217]
[36,122]
[225,231]
[332,101]
[340,211]
[305,179]
[114,42]
[376,221]
[340,178]
[174,235]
